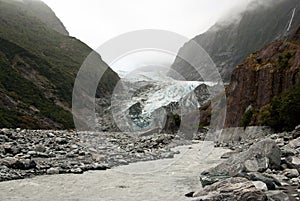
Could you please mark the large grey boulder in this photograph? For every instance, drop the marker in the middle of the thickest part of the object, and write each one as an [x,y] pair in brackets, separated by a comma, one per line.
[260,156]
[235,188]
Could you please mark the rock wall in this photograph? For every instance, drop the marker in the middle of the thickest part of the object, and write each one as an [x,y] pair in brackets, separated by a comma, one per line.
[262,76]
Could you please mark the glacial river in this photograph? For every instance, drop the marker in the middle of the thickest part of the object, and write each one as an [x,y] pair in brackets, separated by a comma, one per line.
[167,179]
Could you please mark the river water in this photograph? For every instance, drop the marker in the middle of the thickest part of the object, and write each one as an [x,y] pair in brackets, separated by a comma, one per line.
[167,179]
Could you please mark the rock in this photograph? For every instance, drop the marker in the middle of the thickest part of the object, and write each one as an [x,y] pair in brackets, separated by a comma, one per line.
[291,173]
[11,149]
[8,161]
[277,195]
[229,154]
[295,181]
[76,171]
[235,188]
[123,162]
[167,155]
[53,170]
[288,151]
[256,164]
[266,149]
[210,179]
[280,180]
[260,185]
[295,143]
[296,132]
[270,182]
[40,148]
[22,164]
[61,140]
[32,153]
[4,138]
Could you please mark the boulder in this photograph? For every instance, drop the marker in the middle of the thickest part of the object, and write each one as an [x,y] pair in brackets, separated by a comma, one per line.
[235,188]
[53,170]
[277,195]
[260,185]
[260,156]
[291,173]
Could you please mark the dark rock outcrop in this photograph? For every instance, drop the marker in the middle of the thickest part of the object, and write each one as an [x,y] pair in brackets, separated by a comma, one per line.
[261,77]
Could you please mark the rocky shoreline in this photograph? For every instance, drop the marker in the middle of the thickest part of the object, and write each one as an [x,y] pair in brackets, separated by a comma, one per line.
[27,153]
[260,169]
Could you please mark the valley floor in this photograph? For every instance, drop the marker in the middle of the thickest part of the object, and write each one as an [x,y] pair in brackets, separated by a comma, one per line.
[164,179]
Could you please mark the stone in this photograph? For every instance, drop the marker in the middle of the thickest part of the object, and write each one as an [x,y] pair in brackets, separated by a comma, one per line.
[261,150]
[167,155]
[40,148]
[235,188]
[296,132]
[269,181]
[277,195]
[210,179]
[256,164]
[61,140]
[53,170]
[291,173]
[229,154]
[260,185]
[295,143]
[76,171]
[15,163]
[288,151]
[11,149]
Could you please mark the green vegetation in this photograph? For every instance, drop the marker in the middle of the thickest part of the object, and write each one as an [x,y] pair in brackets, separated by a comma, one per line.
[38,66]
[284,111]
[247,117]
[284,60]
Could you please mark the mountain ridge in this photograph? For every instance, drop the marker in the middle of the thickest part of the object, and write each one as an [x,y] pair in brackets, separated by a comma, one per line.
[229,43]
[38,69]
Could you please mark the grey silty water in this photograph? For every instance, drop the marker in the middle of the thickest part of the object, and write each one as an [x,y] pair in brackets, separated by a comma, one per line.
[167,179]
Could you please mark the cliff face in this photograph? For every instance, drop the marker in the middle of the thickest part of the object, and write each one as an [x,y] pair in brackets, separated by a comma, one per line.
[261,77]
[229,44]
[38,66]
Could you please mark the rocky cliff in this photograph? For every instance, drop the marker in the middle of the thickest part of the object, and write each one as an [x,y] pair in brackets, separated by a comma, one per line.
[230,42]
[262,87]
[38,65]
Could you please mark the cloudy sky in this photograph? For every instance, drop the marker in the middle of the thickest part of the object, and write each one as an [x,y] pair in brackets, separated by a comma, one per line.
[96,21]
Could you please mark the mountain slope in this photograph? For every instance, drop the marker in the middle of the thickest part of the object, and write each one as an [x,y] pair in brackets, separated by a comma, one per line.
[38,68]
[265,88]
[229,44]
